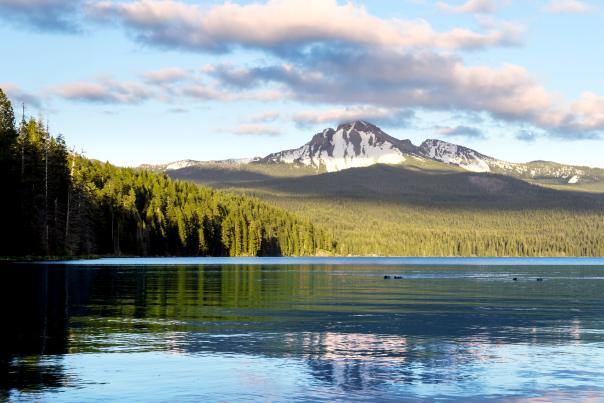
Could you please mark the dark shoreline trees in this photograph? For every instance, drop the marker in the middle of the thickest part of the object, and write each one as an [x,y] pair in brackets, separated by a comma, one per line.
[62,204]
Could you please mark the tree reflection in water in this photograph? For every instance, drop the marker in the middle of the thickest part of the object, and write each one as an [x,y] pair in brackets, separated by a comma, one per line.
[354,331]
[35,331]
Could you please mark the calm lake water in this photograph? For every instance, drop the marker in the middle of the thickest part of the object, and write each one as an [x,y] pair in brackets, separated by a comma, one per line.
[303,329]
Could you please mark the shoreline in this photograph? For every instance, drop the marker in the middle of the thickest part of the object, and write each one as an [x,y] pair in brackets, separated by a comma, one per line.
[322,260]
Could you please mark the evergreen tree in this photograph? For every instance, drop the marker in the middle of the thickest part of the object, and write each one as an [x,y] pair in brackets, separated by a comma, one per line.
[8,133]
[9,201]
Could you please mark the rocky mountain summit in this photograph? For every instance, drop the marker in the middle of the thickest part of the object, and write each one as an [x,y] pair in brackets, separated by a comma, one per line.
[350,145]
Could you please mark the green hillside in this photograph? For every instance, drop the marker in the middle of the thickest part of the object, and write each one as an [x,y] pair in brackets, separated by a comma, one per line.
[409,210]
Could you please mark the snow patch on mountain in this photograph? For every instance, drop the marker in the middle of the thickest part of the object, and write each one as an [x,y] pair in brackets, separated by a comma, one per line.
[354,145]
[172,166]
[453,154]
[367,151]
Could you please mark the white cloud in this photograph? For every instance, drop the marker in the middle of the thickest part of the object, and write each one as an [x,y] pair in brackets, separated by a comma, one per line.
[104,90]
[568,6]
[588,111]
[376,85]
[470,7]
[338,54]
[278,24]
[393,80]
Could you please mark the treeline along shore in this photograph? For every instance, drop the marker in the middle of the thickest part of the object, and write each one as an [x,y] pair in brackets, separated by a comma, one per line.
[58,203]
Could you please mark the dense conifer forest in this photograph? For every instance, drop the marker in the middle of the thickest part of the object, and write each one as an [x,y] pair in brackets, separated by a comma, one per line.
[393,210]
[57,203]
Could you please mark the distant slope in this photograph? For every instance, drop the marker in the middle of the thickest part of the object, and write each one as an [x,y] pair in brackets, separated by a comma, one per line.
[402,184]
[410,211]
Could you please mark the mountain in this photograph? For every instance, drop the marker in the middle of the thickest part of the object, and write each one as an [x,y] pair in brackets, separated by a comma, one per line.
[474,161]
[454,154]
[351,145]
[362,144]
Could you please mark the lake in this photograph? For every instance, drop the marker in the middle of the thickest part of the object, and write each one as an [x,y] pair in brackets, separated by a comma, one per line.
[303,330]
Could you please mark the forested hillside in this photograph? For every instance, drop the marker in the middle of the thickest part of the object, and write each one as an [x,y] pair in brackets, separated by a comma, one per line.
[55,202]
[411,211]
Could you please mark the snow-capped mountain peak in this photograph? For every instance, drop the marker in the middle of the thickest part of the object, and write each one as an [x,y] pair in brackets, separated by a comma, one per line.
[350,145]
[361,144]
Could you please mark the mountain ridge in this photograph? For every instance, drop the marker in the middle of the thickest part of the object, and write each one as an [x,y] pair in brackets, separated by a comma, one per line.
[361,144]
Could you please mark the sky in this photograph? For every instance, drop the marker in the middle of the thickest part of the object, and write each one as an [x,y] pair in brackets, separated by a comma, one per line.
[150,81]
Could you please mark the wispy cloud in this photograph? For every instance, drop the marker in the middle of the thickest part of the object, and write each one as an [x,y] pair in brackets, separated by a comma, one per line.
[214,92]
[167,85]
[178,110]
[104,91]
[466,132]
[527,136]
[265,117]
[43,15]
[250,129]
[18,96]
[382,116]
[568,6]
[469,7]
[166,76]
[277,25]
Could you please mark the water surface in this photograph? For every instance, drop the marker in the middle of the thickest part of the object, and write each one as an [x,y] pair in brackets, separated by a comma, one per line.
[319,329]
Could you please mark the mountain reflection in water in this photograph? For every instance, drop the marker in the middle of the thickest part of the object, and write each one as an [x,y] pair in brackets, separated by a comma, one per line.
[318,332]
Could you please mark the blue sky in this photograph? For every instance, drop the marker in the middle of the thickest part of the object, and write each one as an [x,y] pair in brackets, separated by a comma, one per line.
[155,81]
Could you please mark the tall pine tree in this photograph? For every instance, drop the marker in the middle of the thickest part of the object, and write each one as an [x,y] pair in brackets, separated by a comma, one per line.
[8,181]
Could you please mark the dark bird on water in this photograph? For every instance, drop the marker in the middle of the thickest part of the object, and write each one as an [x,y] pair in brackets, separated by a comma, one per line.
[387,277]
[515,279]
[539,279]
